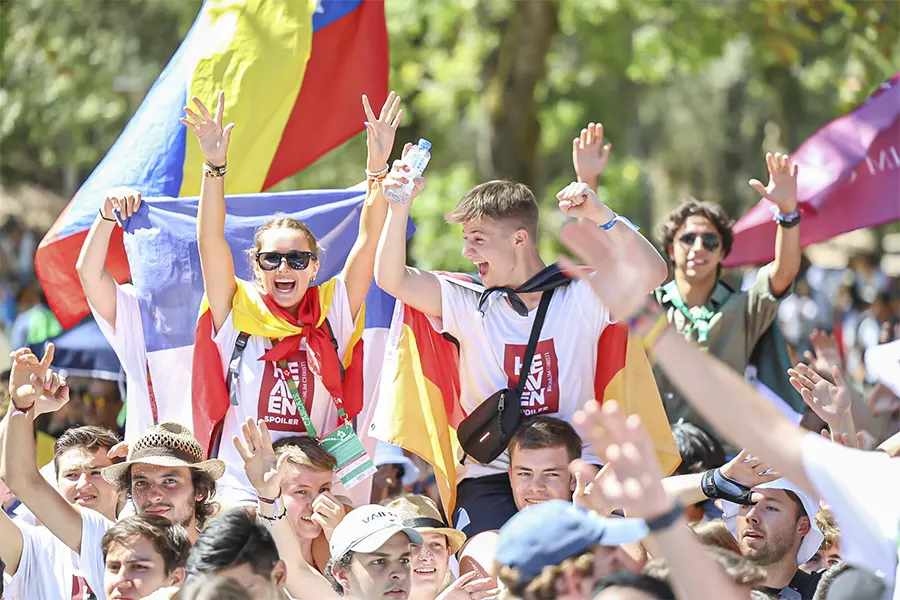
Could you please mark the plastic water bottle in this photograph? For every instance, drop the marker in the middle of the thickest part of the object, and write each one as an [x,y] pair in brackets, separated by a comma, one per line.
[416,159]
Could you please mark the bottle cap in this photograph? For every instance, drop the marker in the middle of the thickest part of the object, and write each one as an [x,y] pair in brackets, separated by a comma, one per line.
[424,143]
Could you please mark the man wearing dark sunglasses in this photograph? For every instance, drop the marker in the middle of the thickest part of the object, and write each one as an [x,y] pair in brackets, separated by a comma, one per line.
[726,322]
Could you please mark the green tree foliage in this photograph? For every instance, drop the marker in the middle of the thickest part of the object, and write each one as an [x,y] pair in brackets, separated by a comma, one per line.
[73,72]
[692,93]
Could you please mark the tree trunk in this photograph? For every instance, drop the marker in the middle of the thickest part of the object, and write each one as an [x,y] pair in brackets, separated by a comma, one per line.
[513,132]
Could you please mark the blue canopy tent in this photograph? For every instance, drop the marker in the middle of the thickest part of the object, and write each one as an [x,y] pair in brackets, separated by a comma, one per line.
[83,352]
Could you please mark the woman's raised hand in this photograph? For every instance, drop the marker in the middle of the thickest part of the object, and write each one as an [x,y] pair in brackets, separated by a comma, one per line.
[213,138]
[380,131]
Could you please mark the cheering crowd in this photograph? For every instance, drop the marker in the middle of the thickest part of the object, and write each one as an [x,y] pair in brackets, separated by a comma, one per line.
[560,493]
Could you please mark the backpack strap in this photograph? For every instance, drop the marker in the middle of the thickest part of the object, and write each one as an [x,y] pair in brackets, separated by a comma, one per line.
[234,371]
[327,326]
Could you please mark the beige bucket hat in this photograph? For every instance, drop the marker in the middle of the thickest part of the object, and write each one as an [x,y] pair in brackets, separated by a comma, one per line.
[421,513]
[164,445]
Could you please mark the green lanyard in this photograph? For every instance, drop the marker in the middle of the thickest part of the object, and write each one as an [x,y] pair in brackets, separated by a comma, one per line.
[699,324]
[301,406]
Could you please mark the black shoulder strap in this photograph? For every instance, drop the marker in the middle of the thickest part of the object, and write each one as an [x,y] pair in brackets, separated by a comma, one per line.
[234,371]
[533,340]
[231,379]
[334,343]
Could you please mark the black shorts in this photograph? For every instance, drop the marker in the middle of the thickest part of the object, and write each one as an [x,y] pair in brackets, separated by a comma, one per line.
[483,504]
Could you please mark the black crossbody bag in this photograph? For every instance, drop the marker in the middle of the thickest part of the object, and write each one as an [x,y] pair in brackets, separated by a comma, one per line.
[484,435]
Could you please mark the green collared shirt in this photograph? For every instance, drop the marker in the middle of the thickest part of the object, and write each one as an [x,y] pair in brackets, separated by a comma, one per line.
[738,320]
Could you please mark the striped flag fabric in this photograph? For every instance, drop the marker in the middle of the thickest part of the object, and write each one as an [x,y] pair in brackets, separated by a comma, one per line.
[419,401]
[293,72]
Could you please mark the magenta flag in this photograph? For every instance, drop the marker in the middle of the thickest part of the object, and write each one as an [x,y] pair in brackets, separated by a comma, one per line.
[849,179]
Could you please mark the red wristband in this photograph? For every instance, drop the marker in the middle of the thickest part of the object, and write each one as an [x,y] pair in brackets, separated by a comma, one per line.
[268,500]
[24,411]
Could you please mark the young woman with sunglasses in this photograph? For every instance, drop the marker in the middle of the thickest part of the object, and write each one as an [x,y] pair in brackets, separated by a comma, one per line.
[293,381]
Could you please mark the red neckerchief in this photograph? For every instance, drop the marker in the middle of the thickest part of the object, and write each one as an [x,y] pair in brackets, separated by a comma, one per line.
[321,353]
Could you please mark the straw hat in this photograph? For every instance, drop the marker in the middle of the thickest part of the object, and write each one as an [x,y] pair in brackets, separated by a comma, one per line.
[421,513]
[164,445]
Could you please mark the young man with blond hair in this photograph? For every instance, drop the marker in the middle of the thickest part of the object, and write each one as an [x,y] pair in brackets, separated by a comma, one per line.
[491,316]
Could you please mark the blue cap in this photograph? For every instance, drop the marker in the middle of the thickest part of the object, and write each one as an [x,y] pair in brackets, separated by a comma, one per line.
[424,143]
[388,454]
[548,533]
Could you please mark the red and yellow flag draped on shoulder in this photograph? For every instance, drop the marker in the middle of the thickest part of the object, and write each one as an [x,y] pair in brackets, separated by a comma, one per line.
[419,406]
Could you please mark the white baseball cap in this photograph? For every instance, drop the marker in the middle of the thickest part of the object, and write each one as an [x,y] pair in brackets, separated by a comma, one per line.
[811,541]
[366,529]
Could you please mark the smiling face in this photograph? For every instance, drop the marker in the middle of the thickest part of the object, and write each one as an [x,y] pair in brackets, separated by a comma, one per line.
[697,249]
[429,563]
[298,490]
[80,482]
[539,475]
[771,530]
[134,569]
[377,575]
[164,491]
[495,248]
[285,284]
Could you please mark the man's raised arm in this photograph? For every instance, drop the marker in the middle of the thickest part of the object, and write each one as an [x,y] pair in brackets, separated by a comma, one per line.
[417,288]
[748,419]
[782,192]
[34,390]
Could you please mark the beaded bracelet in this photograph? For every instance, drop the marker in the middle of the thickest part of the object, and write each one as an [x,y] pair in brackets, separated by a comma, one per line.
[379,175]
[211,170]
[273,518]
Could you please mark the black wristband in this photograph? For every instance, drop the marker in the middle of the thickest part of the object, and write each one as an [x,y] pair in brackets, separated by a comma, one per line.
[707,485]
[104,218]
[665,520]
[716,485]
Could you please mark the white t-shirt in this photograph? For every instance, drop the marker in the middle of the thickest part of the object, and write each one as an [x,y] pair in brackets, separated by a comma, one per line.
[492,347]
[262,393]
[863,491]
[93,527]
[170,370]
[47,570]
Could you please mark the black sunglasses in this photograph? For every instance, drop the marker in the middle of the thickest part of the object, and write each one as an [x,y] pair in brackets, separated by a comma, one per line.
[297,260]
[711,241]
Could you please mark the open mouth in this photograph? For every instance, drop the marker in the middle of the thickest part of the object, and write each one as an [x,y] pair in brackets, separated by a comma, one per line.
[85,498]
[483,269]
[535,500]
[307,519]
[425,571]
[285,286]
